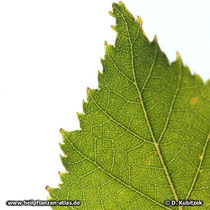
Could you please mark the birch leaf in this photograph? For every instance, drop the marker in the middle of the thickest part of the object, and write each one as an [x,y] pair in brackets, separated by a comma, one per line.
[144,132]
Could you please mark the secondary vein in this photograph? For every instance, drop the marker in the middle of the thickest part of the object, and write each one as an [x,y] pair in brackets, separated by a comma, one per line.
[111,175]
[117,122]
[199,167]
[172,104]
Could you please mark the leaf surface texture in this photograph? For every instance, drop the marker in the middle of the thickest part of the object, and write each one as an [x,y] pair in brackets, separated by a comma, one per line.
[144,133]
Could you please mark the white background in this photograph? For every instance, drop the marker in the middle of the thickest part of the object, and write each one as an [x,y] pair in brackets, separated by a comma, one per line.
[50,53]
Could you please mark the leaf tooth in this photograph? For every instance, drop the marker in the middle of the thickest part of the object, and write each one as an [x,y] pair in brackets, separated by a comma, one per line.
[103,65]
[81,118]
[116,8]
[88,94]
[198,78]
[108,49]
[102,61]
[115,5]
[187,67]
[107,46]
[61,130]
[111,14]
[114,28]
[63,178]
[90,91]
[61,174]
[84,106]
[63,133]
[47,188]
[121,3]
[178,56]
[60,144]
[100,76]
[64,160]
[65,153]
[195,76]
[80,115]
[155,38]
[155,42]
[139,20]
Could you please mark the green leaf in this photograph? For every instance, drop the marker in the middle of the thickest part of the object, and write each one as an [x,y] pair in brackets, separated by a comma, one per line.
[144,133]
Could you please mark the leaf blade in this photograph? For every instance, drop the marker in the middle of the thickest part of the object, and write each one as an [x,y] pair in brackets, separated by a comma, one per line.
[133,136]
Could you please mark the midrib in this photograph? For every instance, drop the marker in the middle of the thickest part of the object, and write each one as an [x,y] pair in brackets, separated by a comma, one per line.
[146,116]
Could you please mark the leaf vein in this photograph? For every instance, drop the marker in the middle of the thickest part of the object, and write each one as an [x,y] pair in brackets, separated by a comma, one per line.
[146,116]
[172,104]
[199,167]
[117,122]
[111,175]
